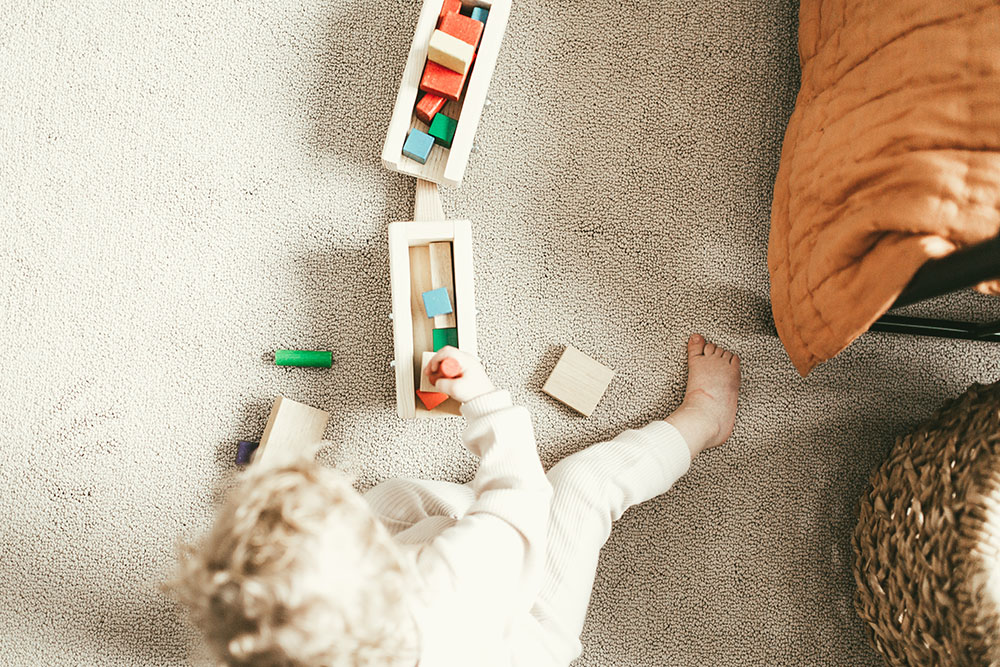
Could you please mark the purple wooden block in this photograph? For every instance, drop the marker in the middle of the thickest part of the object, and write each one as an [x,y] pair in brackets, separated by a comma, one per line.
[244,450]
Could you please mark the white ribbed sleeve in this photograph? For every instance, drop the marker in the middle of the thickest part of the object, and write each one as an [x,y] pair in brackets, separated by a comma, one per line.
[494,554]
[483,569]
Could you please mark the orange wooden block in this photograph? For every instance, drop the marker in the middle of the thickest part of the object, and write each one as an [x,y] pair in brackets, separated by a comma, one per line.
[449,8]
[460,26]
[431,399]
[429,105]
[442,81]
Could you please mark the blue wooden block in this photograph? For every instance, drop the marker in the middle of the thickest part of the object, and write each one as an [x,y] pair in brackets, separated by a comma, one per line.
[418,146]
[436,302]
[244,450]
[480,14]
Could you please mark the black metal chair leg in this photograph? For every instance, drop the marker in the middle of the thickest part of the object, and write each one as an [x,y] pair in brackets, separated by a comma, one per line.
[961,269]
[988,330]
[924,326]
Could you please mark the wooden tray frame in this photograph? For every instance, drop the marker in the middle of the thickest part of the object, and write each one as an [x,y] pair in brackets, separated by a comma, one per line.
[412,330]
[444,166]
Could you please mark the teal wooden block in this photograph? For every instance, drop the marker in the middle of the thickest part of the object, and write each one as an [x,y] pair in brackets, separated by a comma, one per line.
[436,302]
[418,145]
[443,129]
[480,14]
[444,337]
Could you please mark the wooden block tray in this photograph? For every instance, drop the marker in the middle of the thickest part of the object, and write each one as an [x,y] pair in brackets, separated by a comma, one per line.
[444,166]
[409,267]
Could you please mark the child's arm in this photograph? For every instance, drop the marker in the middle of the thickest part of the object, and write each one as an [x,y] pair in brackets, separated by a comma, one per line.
[493,556]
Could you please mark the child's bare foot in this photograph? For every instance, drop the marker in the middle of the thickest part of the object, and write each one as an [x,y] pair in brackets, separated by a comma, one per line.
[707,415]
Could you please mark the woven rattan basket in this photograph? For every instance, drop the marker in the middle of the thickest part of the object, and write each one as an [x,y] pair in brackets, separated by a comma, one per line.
[927,544]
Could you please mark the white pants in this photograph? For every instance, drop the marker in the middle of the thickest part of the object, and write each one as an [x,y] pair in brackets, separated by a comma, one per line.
[591,490]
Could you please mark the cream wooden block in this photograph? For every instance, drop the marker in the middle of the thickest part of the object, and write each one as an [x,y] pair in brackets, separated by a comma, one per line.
[420,282]
[450,52]
[445,166]
[409,256]
[425,383]
[442,275]
[578,381]
[292,429]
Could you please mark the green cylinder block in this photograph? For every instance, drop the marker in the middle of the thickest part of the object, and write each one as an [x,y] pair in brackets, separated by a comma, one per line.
[304,358]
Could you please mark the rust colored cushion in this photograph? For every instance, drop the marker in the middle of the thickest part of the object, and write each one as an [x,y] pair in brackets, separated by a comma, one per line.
[891,157]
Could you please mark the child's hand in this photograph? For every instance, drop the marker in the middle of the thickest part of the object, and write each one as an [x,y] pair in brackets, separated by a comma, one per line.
[471,384]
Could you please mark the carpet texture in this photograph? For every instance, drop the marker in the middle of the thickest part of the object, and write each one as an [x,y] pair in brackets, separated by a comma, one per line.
[185,186]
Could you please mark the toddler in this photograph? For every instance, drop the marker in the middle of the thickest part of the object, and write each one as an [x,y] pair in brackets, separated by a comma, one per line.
[301,570]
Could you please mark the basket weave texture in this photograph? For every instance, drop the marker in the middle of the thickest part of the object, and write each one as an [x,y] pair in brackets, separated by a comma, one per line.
[927,543]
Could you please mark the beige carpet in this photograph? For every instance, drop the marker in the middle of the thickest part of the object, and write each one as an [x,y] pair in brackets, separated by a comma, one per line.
[186,185]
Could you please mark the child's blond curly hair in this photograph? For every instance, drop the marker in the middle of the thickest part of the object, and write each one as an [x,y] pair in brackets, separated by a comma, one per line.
[298,571]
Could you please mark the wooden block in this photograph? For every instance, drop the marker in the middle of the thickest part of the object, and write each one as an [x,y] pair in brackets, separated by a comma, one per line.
[443,130]
[443,337]
[420,282]
[292,428]
[437,302]
[449,7]
[450,51]
[450,368]
[442,275]
[480,14]
[442,81]
[418,146]
[425,383]
[578,381]
[431,399]
[429,105]
[244,450]
[464,28]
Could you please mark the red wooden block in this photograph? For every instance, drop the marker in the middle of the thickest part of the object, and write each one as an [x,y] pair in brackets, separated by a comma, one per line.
[450,368]
[429,105]
[442,81]
[466,29]
[448,8]
[431,399]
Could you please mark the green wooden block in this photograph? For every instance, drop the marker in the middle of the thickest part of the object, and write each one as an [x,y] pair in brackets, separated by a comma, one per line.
[444,337]
[443,129]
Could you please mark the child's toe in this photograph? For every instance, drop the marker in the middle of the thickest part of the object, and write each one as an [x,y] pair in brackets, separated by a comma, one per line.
[696,345]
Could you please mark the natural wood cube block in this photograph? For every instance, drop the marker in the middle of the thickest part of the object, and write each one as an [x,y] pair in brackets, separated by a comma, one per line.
[443,275]
[450,368]
[425,383]
[578,381]
[291,428]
